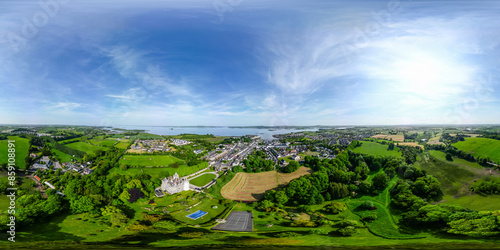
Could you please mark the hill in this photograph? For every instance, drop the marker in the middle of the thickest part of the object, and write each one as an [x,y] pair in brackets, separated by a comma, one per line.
[481,147]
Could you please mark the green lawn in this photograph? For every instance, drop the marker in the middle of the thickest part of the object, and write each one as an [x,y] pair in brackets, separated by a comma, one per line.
[182,170]
[69,228]
[481,147]
[85,147]
[62,156]
[149,160]
[103,142]
[4,203]
[22,150]
[476,201]
[206,206]
[373,148]
[202,180]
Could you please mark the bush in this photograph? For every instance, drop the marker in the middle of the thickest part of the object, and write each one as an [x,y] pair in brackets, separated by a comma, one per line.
[303,223]
[347,231]
[335,207]
[370,217]
[287,235]
[319,231]
[367,205]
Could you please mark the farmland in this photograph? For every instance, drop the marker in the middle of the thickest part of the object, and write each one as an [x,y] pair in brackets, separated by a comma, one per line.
[252,186]
[149,160]
[481,147]
[85,147]
[396,138]
[22,148]
[373,148]
[413,144]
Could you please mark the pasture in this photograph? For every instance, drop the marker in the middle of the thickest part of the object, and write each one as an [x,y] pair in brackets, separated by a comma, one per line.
[149,160]
[252,186]
[63,157]
[481,147]
[85,147]
[155,172]
[373,148]
[22,150]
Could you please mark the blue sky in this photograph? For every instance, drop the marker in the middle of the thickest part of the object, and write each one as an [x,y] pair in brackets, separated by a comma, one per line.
[241,62]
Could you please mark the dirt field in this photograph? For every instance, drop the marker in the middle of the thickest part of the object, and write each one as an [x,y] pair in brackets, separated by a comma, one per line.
[252,186]
[388,137]
[413,144]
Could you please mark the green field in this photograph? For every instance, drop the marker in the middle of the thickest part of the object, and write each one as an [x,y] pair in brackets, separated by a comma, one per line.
[202,180]
[103,142]
[206,206]
[85,147]
[373,148]
[149,160]
[62,156]
[22,150]
[482,147]
[182,170]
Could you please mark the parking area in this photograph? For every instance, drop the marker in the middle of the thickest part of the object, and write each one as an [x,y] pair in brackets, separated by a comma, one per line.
[240,221]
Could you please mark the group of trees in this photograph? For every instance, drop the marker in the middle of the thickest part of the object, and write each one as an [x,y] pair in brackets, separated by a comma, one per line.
[486,187]
[453,219]
[257,162]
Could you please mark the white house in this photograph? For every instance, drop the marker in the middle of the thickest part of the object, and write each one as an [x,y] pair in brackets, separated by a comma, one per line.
[174,184]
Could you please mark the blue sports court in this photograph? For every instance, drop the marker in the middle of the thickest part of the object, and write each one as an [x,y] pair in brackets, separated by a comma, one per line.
[196,215]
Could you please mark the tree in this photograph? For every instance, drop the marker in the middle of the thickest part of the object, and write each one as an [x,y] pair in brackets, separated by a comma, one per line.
[118,219]
[449,157]
[291,167]
[281,197]
[380,181]
[334,207]
[83,204]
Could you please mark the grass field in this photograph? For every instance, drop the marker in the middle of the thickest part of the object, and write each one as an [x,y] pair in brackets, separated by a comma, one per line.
[252,186]
[481,147]
[62,156]
[85,147]
[452,175]
[149,160]
[205,205]
[202,180]
[373,148]
[182,170]
[103,142]
[22,150]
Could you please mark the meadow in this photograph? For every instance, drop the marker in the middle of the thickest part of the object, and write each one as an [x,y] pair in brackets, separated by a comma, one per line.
[373,148]
[63,157]
[482,147]
[182,170]
[22,150]
[85,147]
[149,160]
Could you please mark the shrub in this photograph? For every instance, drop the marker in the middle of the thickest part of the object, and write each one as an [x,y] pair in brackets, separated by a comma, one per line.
[335,207]
[347,231]
[319,231]
[370,217]
[191,234]
[367,205]
[287,235]
[303,223]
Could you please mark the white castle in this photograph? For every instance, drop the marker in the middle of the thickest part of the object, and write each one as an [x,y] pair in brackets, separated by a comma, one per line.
[174,184]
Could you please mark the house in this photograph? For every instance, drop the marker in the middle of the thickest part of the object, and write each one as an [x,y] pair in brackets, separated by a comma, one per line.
[174,184]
